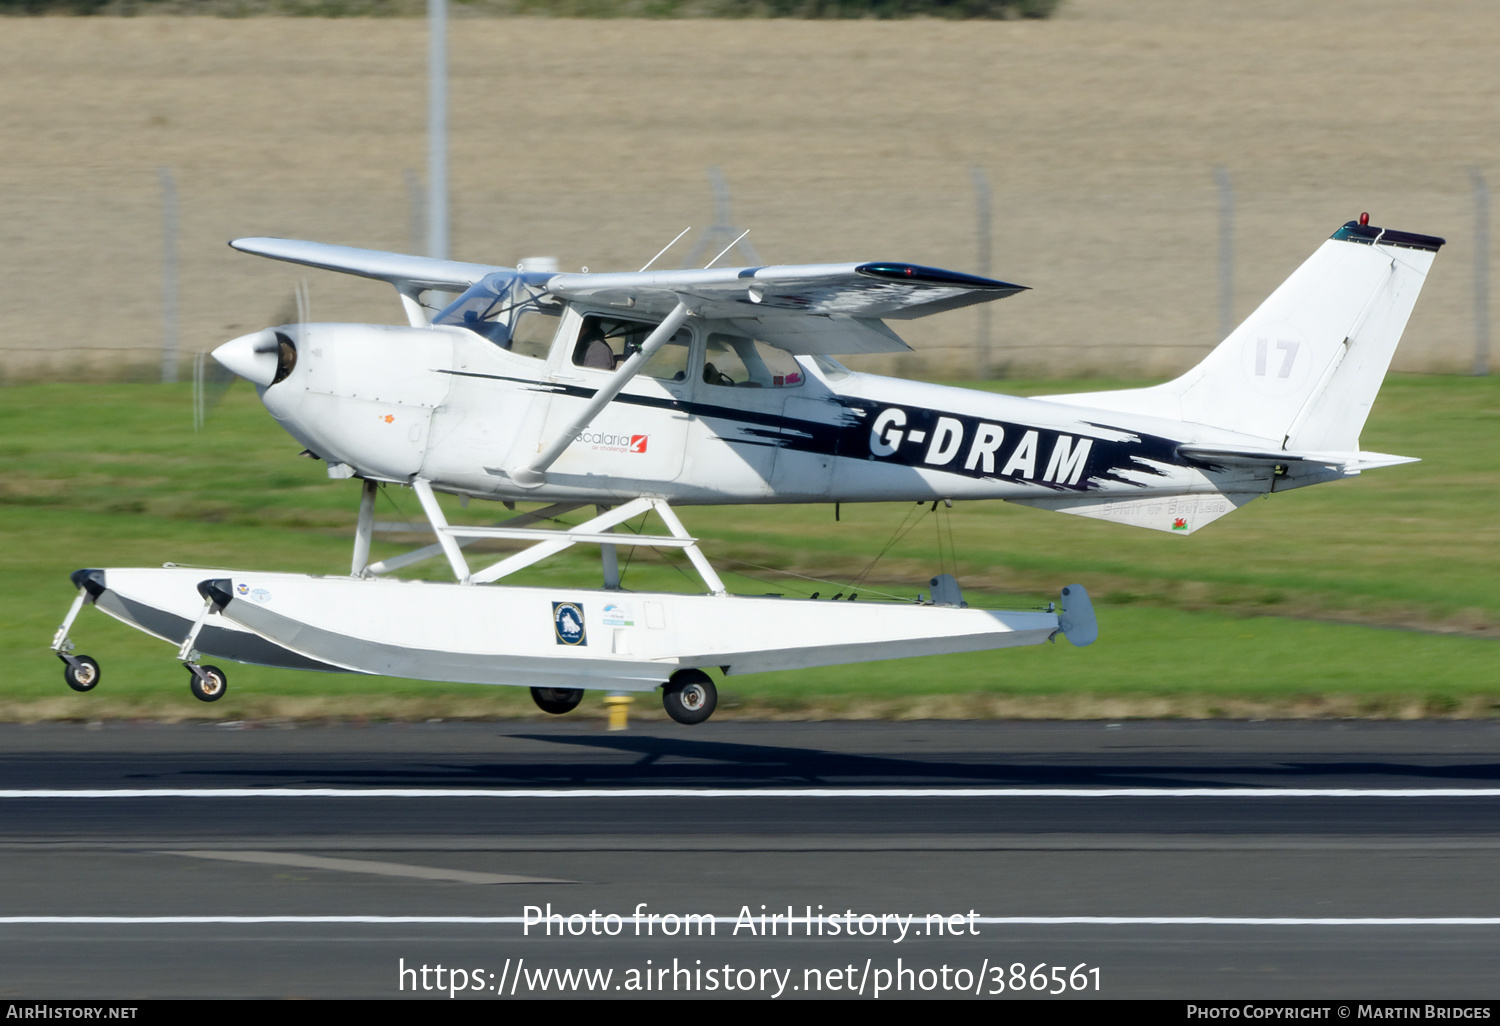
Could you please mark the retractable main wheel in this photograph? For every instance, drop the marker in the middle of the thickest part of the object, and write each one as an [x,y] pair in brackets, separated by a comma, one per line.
[208,684]
[690,697]
[557,700]
[82,674]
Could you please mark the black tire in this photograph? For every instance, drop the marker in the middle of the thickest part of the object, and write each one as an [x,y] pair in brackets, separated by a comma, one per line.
[557,700]
[209,684]
[690,697]
[82,674]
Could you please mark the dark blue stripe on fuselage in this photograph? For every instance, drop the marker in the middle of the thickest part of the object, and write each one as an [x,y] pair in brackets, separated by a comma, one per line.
[1006,450]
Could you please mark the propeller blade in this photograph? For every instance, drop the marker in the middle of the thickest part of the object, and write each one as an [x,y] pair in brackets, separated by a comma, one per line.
[211,378]
[288,311]
[210,382]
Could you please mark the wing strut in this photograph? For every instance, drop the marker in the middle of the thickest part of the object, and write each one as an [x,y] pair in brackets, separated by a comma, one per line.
[535,472]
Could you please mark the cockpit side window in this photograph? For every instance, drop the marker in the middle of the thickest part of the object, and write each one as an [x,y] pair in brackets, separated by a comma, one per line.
[735,361]
[535,329]
[606,342]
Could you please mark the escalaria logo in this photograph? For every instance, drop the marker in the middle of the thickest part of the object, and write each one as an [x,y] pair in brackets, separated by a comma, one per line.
[605,441]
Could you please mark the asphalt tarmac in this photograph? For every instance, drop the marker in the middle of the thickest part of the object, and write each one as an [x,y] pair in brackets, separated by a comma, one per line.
[1347,860]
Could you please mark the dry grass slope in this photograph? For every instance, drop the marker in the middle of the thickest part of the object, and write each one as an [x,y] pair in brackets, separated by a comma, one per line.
[1099,130]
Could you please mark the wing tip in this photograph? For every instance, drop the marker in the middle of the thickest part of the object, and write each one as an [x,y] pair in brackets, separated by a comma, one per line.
[920,275]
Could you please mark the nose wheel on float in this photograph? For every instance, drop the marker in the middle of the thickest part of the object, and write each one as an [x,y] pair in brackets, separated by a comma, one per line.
[207,683]
[80,672]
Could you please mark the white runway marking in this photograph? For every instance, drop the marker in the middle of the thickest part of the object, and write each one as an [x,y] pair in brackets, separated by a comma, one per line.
[755,792]
[729,920]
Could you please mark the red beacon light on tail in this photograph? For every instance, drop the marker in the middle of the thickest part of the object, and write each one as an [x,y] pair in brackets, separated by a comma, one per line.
[1364,219]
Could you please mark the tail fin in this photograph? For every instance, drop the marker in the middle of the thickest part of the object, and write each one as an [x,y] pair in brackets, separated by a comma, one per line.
[1304,368]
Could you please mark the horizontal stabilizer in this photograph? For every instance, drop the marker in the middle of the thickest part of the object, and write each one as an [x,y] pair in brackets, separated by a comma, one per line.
[400,269]
[1352,462]
[1176,514]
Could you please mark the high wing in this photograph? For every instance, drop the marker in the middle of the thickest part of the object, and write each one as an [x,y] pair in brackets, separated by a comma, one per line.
[804,309]
[400,269]
[410,275]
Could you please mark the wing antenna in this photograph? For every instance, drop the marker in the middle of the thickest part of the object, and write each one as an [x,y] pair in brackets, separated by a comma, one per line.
[726,249]
[667,247]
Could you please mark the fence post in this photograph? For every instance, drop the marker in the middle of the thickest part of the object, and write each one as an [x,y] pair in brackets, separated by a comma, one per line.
[982,232]
[437,128]
[416,221]
[168,275]
[1226,252]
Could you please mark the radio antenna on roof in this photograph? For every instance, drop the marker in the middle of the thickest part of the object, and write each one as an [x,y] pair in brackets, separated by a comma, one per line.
[667,247]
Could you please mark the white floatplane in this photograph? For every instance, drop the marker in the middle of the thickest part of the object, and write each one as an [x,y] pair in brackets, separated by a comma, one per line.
[630,393]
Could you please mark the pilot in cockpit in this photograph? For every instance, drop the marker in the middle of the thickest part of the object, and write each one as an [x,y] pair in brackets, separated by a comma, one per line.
[592,350]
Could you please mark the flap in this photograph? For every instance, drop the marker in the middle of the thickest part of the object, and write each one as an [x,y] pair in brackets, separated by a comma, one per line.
[831,336]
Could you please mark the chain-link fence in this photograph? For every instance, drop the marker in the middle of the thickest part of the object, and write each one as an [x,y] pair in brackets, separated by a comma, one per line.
[1144,200]
[1136,289]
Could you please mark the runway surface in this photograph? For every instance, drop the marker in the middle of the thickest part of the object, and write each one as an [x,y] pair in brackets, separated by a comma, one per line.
[1341,860]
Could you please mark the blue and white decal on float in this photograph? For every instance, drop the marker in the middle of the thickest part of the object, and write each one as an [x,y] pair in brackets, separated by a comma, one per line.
[567,621]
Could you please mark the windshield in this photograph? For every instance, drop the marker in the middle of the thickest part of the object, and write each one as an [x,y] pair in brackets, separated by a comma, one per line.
[495,305]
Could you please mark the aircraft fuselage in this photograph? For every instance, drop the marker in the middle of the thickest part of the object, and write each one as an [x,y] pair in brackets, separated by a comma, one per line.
[444,404]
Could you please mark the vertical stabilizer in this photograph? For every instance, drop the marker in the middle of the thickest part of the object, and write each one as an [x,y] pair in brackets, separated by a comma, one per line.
[1304,368]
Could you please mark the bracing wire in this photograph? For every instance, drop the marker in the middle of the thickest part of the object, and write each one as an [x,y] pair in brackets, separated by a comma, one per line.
[385,493]
[937,530]
[805,577]
[952,545]
[664,557]
[640,525]
[675,566]
[902,530]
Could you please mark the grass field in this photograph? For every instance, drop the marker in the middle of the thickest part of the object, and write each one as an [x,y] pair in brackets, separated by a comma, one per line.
[1378,596]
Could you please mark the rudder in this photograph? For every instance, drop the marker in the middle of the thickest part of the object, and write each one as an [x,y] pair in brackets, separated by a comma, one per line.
[1304,368]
